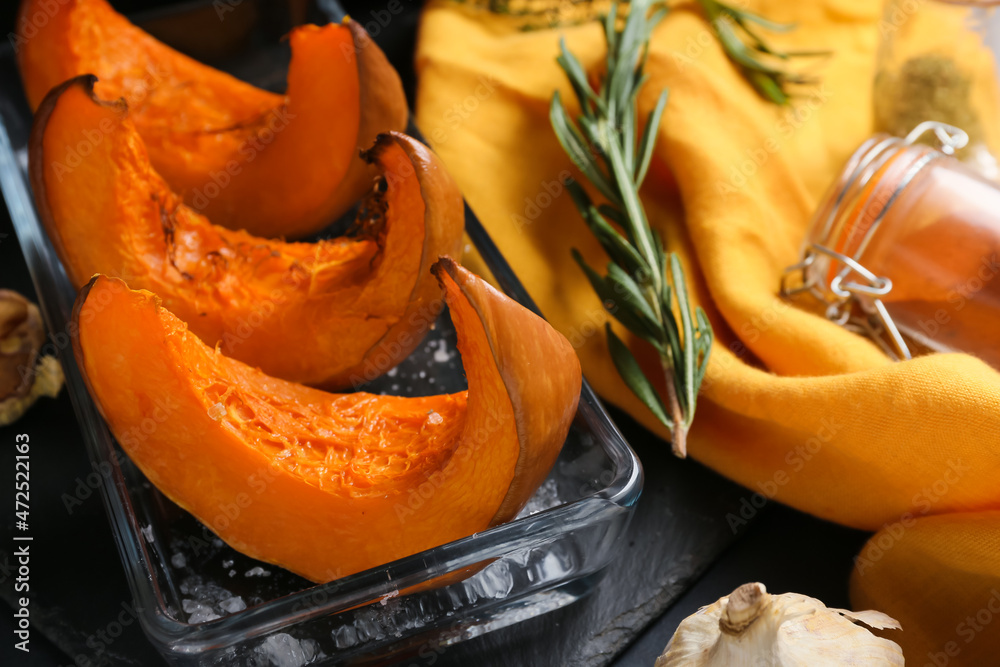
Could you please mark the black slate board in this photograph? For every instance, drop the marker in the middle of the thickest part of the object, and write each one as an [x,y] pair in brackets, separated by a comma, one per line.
[786,550]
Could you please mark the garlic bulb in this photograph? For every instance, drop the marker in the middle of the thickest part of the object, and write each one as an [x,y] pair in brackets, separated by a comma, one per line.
[23,376]
[751,628]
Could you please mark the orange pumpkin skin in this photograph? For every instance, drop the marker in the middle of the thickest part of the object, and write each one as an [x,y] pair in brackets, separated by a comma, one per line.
[326,483]
[357,305]
[275,165]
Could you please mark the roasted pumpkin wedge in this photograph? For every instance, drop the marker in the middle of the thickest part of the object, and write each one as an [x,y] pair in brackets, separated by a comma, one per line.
[357,304]
[275,165]
[325,484]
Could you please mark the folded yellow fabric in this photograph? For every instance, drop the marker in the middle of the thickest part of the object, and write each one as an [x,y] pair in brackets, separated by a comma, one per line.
[940,576]
[794,407]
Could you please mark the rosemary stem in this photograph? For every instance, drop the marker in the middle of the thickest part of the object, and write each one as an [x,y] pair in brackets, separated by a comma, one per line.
[668,365]
[679,440]
[635,215]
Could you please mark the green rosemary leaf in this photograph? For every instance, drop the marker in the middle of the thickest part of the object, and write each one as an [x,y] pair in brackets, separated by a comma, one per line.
[705,337]
[769,80]
[616,216]
[613,214]
[808,53]
[672,333]
[762,46]
[614,304]
[634,378]
[578,78]
[614,243]
[758,42]
[590,127]
[630,41]
[737,50]
[743,15]
[610,34]
[768,87]
[661,264]
[640,79]
[653,21]
[618,248]
[575,146]
[648,141]
[629,292]
[602,289]
[666,301]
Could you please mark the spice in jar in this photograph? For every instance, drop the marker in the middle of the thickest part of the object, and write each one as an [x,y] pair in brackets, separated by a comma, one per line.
[906,246]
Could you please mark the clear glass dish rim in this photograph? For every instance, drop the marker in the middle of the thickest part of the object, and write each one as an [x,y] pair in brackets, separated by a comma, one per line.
[56,296]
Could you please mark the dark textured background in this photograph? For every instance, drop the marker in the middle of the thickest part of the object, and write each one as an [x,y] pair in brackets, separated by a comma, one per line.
[679,533]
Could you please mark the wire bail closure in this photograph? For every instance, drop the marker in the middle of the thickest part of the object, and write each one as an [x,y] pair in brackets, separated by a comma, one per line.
[853,294]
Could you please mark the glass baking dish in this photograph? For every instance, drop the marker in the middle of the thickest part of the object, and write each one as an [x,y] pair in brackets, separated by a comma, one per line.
[202,603]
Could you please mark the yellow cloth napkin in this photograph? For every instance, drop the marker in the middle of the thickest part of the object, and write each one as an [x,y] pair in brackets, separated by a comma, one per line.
[794,407]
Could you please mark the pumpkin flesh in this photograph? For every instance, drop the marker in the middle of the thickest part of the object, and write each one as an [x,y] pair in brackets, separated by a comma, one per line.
[359,303]
[327,485]
[275,165]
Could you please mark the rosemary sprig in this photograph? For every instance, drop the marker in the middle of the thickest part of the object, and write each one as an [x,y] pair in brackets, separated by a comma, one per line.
[736,30]
[643,283]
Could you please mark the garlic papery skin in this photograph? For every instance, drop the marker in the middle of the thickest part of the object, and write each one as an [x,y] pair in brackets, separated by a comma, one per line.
[752,628]
[24,377]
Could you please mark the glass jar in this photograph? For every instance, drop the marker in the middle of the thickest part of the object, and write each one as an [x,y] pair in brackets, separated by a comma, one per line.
[938,60]
[905,247]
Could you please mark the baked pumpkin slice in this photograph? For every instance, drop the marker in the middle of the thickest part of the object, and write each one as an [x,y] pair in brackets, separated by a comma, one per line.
[359,304]
[325,482]
[275,165]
